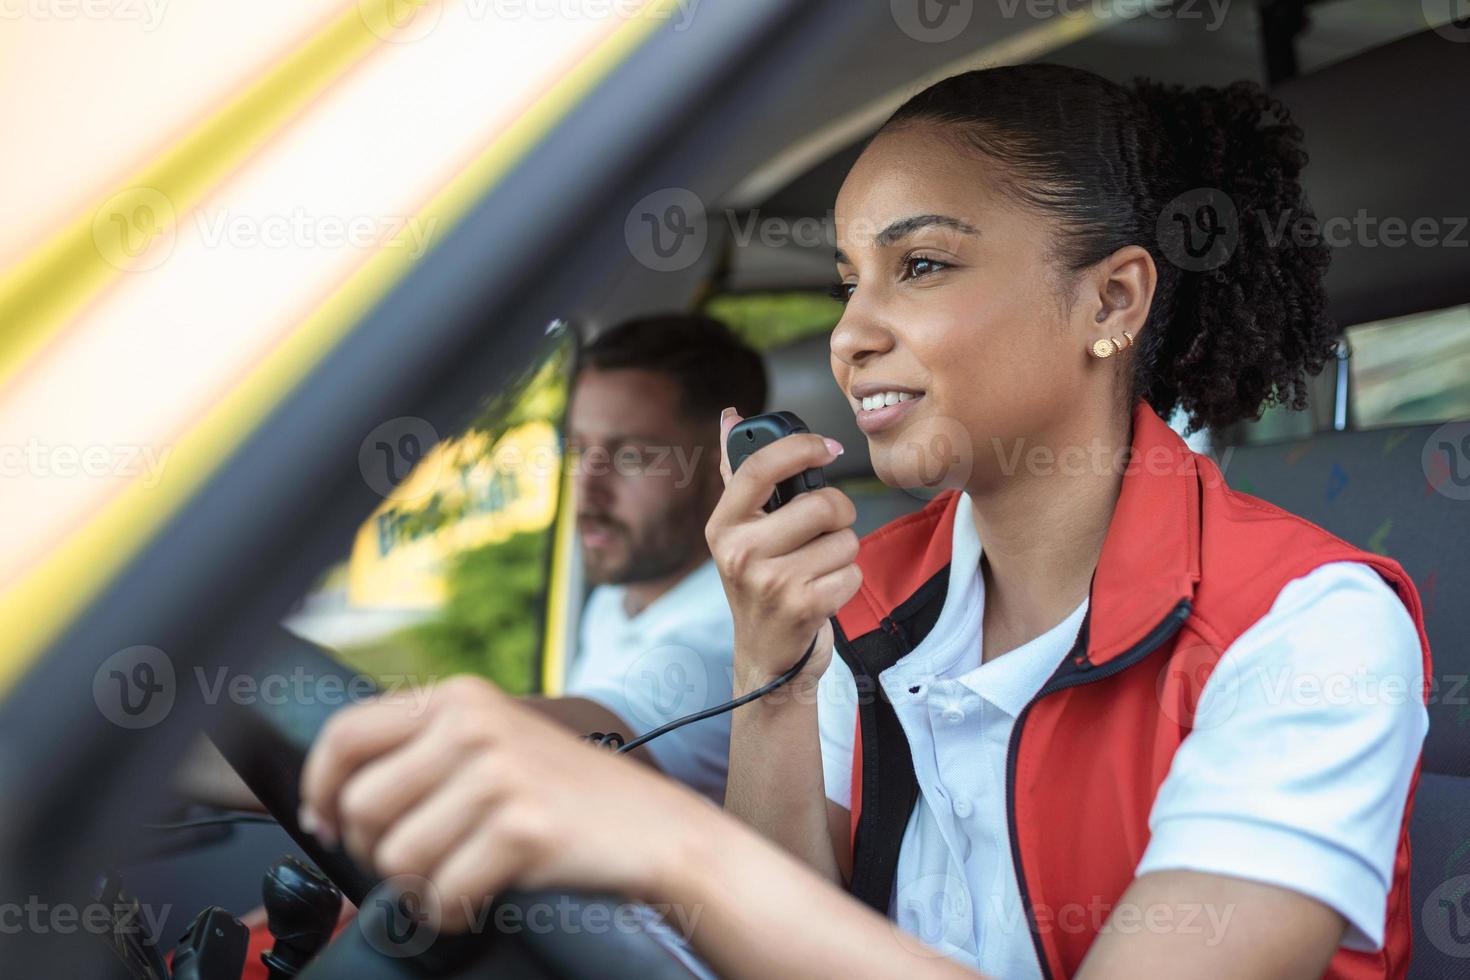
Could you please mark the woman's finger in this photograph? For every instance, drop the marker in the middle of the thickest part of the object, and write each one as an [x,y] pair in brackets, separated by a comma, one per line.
[752,485]
[352,738]
[484,863]
[729,418]
[383,790]
[431,831]
[804,519]
[825,554]
[836,588]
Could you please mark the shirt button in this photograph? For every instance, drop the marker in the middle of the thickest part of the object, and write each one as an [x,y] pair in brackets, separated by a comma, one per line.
[963,809]
[953,716]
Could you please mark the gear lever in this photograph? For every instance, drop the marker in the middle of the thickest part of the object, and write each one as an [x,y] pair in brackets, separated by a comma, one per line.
[301,907]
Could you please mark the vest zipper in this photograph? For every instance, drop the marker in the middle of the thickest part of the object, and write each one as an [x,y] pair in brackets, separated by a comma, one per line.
[1079,675]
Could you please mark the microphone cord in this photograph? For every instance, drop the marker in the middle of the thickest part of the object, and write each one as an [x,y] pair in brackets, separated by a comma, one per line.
[615,741]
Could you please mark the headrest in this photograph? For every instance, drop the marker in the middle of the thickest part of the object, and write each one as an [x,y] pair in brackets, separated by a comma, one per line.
[1388,139]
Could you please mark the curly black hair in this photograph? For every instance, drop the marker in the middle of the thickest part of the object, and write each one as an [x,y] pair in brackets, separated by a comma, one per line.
[1236,325]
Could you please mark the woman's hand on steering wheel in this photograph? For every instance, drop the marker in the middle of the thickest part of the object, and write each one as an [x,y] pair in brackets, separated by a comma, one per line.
[475,793]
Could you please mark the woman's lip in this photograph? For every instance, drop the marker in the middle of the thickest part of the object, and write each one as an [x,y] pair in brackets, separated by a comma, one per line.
[872,420]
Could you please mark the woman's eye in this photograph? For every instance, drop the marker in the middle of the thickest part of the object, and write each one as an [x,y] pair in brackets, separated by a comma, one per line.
[842,291]
[916,266]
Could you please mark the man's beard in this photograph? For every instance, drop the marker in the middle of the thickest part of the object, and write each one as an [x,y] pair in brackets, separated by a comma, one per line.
[659,553]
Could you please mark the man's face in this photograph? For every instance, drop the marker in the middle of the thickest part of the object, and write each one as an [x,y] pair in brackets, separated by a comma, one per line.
[647,478]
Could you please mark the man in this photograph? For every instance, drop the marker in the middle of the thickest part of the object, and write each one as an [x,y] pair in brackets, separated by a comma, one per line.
[656,637]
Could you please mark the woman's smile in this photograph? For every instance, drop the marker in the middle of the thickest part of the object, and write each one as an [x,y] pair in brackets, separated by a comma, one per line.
[880,405]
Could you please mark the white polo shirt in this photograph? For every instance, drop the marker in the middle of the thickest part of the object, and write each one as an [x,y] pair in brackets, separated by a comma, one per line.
[1295,774]
[673,658]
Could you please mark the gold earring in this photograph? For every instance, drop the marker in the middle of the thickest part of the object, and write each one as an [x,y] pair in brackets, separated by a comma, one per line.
[1109,346]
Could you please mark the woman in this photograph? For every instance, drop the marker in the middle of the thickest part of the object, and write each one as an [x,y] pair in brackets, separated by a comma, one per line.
[1065,732]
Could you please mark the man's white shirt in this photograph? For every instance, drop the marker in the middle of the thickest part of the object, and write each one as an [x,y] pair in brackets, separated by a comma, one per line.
[673,658]
[1295,774]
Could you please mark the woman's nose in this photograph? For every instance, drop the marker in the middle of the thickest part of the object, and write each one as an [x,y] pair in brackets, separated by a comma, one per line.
[858,337]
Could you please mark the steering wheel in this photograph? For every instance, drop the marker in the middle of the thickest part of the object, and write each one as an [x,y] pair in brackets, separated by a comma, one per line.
[267,745]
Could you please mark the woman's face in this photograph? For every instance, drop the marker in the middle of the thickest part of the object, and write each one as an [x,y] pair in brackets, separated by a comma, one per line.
[954,306]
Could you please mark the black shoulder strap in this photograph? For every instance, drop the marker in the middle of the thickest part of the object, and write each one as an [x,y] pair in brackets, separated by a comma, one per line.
[890,788]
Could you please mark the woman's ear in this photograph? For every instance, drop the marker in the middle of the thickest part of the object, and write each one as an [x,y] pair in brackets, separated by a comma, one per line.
[1124,285]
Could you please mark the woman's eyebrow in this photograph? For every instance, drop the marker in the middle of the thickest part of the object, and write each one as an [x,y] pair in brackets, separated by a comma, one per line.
[904,227]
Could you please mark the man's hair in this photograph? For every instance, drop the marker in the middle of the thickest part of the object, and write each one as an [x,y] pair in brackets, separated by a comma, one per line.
[711,367]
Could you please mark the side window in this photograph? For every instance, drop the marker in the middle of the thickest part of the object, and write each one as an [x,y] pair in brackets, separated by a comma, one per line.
[767,320]
[451,572]
[1410,370]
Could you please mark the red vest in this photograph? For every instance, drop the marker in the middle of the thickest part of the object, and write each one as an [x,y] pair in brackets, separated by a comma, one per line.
[1187,565]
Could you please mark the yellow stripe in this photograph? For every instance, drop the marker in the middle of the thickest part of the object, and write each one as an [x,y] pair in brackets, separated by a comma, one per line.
[38,608]
[558,592]
[41,294]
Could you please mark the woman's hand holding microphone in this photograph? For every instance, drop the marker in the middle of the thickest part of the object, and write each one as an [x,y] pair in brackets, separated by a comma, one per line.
[785,573]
